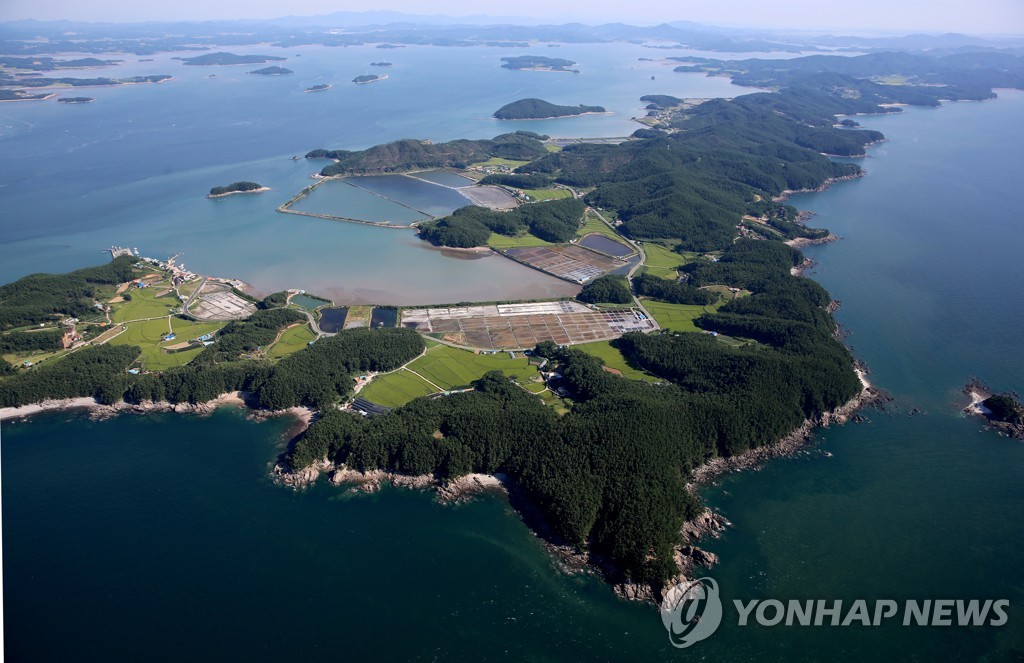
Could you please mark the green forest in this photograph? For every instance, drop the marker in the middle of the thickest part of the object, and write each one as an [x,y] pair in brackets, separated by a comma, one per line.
[537,109]
[407,155]
[552,221]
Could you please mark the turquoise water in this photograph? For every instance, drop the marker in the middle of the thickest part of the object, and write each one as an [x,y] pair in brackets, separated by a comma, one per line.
[339,198]
[429,198]
[163,538]
[307,302]
[134,167]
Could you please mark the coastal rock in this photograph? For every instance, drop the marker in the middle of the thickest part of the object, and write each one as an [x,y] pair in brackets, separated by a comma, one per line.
[702,557]
[465,487]
[707,523]
[637,592]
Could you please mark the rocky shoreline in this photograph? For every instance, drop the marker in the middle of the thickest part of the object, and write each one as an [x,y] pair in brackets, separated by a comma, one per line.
[450,491]
[784,196]
[99,410]
[710,523]
[801,242]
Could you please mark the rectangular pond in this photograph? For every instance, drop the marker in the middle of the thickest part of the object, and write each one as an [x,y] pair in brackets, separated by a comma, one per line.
[605,245]
[384,317]
[332,320]
[308,302]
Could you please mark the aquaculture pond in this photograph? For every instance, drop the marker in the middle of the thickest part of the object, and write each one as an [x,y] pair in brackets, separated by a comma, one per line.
[384,317]
[308,302]
[605,245]
[332,320]
[338,198]
[424,197]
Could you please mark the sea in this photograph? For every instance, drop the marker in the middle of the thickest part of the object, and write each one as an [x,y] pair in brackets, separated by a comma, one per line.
[163,537]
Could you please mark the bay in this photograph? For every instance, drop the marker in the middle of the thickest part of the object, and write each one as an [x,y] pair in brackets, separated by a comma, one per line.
[163,537]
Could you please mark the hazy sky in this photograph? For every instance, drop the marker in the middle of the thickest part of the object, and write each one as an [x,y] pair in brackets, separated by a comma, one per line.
[971,16]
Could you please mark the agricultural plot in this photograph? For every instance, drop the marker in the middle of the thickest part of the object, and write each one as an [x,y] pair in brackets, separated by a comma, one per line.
[540,195]
[144,304]
[662,261]
[292,340]
[592,224]
[679,317]
[512,326]
[569,262]
[614,359]
[397,388]
[443,368]
[148,335]
[499,241]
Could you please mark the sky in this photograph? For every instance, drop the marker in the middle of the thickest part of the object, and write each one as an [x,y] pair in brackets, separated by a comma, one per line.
[903,16]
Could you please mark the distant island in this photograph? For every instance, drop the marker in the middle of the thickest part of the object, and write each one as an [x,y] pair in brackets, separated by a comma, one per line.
[538,63]
[131,80]
[237,187]
[76,100]
[538,109]
[208,59]
[381,64]
[272,71]
[318,88]
[368,78]
[390,46]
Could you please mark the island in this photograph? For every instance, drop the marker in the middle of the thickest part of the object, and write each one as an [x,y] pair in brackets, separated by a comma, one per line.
[381,64]
[1002,412]
[209,59]
[319,88]
[76,100]
[538,109]
[538,63]
[236,187]
[272,71]
[368,78]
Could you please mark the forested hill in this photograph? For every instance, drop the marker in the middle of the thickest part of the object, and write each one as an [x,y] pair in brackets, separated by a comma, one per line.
[410,154]
[538,109]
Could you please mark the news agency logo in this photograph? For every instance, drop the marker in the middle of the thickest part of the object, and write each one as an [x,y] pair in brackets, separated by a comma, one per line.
[692,611]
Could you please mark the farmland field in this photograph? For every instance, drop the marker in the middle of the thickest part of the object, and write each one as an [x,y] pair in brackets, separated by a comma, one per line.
[292,340]
[612,358]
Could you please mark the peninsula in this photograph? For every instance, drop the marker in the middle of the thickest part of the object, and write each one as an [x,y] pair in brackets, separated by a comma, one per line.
[236,187]
[538,109]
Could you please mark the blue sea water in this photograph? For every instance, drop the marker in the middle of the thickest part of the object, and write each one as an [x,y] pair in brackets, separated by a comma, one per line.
[133,168]
[163,537]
